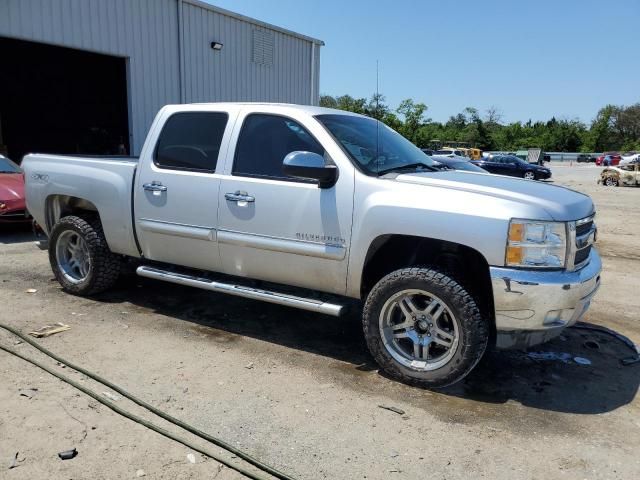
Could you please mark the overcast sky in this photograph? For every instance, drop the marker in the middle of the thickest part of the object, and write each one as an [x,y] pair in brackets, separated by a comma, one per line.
[531,59]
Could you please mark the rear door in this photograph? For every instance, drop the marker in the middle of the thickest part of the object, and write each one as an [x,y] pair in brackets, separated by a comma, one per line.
[176,192]
[278,228]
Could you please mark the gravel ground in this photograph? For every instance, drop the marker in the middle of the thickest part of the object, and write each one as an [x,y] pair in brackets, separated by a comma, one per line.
[300,391]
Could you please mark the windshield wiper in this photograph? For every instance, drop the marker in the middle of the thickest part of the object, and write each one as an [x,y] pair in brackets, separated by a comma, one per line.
[409,166]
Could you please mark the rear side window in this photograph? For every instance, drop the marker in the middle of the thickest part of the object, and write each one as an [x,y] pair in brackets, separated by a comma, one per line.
[264,142]
[191,141]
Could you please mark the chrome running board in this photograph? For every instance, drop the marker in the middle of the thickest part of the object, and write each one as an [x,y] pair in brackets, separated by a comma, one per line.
[242,291]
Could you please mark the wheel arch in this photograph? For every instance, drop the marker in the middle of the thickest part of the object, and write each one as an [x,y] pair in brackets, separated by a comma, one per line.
[391,252]
[118,231]
[59,206]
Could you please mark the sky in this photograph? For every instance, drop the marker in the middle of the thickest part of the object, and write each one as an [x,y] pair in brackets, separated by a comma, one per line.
[530,59]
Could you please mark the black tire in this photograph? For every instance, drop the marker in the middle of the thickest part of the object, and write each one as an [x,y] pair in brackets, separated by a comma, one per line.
[104,266]
[611,182]
[473,327]
[524,175]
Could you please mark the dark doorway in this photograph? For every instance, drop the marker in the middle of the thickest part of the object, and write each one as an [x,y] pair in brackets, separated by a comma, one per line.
[61,100]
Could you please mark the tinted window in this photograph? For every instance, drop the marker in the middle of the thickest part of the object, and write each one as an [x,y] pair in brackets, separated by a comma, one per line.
[371,145]
[264,142]
[191,141]
[7,166]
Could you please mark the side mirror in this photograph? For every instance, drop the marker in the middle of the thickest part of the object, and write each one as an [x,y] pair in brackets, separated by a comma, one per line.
[309,165]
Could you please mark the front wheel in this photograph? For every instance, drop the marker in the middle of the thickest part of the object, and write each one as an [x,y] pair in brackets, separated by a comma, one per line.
[80,257]
[529,175]
[424,328]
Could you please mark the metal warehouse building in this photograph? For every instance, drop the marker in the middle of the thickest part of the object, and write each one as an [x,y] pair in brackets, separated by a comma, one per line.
[88,76]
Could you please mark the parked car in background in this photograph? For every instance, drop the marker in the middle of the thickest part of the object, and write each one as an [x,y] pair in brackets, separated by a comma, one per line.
[629,157]
[628,174]
[457,163]
[513,166]
[584,158]
[12,201]
[449,152]
[608,159]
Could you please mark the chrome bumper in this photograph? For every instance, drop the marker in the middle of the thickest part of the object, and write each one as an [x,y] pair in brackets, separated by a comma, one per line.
[532,307]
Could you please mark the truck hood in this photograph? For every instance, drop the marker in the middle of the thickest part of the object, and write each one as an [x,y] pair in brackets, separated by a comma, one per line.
[562,204]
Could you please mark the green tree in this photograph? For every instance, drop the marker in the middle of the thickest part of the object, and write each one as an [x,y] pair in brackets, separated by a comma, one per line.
[413,114]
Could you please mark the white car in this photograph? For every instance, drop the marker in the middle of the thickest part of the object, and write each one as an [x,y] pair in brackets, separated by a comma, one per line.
[627,159]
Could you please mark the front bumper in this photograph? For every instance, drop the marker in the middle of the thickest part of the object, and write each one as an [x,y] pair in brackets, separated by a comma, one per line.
[14,216]
[532,306]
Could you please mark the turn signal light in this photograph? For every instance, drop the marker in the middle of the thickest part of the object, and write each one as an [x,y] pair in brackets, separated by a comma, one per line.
[516,232]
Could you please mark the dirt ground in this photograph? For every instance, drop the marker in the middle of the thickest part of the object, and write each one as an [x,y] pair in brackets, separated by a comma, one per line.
[300,391]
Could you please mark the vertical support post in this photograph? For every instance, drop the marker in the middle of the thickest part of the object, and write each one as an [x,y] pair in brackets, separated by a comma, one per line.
[181,80]
[313,74]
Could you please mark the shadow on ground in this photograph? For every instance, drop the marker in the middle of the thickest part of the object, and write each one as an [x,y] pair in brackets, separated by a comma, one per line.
[16,233]
[501,376]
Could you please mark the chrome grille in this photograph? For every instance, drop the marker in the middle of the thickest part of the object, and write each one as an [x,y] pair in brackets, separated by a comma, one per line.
[583,228]
[582,234]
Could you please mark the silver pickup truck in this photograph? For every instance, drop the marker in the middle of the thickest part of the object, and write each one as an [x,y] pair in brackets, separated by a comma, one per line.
[226,197]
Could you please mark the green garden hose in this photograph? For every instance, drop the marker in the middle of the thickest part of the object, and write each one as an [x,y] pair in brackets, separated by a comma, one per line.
[205,436]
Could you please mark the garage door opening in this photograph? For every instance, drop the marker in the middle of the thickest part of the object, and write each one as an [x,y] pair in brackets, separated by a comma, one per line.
[61,100]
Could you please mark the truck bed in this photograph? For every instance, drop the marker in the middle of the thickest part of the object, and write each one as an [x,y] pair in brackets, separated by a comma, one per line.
[104,181]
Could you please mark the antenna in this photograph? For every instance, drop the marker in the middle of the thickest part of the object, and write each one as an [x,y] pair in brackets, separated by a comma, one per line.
[377,89]
[377,119]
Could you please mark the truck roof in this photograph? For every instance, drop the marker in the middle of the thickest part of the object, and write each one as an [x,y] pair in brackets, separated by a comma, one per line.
[274,107]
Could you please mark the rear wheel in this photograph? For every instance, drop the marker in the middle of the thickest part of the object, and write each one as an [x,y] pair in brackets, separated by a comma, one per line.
[424,328]
[529,175]
[80,258]
[611,182]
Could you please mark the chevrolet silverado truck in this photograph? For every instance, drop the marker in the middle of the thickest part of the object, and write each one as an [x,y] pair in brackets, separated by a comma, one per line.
[253,199]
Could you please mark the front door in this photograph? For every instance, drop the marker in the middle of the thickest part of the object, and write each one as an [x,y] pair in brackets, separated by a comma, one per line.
[176,192]
[274,227]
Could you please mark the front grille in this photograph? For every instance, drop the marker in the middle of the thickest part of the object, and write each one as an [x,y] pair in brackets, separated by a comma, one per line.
[584,228]
[583,238]
[582,255]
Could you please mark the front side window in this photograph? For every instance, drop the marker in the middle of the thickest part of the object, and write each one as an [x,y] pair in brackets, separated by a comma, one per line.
[191,141]
[373,147]
[264,142]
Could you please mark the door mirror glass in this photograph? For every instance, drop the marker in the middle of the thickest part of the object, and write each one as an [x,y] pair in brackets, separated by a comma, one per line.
[309,165]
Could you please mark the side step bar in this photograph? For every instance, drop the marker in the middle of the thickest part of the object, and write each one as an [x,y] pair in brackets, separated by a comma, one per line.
[242,291]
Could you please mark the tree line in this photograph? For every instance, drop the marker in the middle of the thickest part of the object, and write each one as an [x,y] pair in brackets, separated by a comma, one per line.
[615,128]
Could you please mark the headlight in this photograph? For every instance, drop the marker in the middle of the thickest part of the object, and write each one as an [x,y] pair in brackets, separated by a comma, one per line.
[536,244]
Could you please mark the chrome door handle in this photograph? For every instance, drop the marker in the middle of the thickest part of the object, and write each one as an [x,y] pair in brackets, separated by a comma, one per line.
[239,197]
[154,187]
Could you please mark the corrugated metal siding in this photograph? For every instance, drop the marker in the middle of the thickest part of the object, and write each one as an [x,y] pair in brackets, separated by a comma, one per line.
[232,74]
[146,33]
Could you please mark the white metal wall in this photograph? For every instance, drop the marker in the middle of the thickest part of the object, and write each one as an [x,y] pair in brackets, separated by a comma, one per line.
[171,61]
[231,73]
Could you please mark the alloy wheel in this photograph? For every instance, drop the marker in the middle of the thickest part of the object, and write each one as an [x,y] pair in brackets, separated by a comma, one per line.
[419,330]
[72,254]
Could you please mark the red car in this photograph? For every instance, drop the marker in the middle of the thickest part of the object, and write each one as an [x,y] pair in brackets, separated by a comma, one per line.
[12,203]
[608,159]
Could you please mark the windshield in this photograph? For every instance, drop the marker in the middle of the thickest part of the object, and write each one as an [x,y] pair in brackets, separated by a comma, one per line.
[373,146]
[7,166]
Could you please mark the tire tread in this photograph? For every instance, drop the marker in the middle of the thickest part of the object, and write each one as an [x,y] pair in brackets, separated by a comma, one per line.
[477,327]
